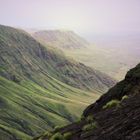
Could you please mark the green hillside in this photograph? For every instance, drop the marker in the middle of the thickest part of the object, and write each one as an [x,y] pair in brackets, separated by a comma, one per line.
[40,88]
[28,109]
[21,55]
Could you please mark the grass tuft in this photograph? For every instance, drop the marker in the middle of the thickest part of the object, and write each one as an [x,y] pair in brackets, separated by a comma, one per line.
[124,97]
[112,103]
[90,126]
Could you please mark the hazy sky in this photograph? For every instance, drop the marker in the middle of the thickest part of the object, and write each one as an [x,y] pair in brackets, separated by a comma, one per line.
[85,16]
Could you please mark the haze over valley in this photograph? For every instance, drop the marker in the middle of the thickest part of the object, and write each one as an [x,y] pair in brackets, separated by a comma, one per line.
[113,55]
[69,70]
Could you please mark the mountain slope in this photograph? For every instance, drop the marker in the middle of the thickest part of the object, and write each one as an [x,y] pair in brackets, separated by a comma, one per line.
[22,55]
[37,86]
[61,39]
[114,116]
[28,109]
[102,54]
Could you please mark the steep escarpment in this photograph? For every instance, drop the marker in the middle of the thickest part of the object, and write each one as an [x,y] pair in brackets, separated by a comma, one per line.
[114,116]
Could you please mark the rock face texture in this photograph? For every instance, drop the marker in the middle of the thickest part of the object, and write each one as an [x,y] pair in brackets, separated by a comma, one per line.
[114,116]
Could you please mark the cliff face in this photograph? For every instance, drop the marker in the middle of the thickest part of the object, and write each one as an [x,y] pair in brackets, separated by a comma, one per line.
[114,116]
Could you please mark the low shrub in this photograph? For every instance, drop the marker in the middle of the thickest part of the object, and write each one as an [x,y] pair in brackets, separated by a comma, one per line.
[112,103]
[124,97]
[90,126]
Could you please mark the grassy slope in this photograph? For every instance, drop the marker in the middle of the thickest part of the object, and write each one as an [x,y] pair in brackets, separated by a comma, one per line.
[33,96]
[22,56]
[28,109]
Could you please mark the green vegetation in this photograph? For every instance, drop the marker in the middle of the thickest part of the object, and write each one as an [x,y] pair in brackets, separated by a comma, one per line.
[124,97]
[56,128]
[90,118]
[67,135]
[91,123]
[89,126]
[31,109]
[36,90]
[57,136]
[47,134]
[112,103]
[72,44]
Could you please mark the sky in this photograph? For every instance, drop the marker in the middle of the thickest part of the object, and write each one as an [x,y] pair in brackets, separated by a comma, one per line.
[83,16]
